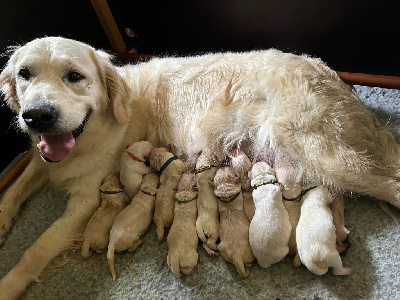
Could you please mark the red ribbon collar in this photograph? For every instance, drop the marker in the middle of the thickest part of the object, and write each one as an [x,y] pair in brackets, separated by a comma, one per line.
[134,157]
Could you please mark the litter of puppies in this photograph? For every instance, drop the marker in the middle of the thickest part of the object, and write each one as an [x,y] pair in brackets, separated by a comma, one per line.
[247,211]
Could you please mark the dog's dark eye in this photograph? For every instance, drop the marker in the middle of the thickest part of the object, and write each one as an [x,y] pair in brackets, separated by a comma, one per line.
[24,73]
[74,76]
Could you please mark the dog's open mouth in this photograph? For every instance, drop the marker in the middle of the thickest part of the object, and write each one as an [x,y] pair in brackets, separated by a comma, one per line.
[55,148]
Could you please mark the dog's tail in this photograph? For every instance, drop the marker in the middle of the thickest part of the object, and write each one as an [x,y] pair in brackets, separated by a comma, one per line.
[85,248]
[238,262]
[110,258]
[173,260]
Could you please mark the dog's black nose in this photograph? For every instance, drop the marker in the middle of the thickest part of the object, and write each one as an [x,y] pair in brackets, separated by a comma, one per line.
[40,117]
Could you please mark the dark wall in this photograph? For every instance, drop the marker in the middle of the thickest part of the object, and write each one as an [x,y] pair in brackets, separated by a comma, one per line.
[354,36]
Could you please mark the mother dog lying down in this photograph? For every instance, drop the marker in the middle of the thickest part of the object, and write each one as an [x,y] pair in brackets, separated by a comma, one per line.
[81,112]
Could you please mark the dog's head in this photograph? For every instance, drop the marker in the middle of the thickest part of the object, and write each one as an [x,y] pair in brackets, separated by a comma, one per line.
[54,84]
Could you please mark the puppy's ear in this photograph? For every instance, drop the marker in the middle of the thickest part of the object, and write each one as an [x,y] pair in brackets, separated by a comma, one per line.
[117,88]
[7,84]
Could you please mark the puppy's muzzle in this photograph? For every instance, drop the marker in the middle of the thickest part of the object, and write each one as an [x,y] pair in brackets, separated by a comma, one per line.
[40,117]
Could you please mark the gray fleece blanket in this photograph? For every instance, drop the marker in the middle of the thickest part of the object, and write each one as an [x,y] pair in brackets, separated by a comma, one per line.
[144,274]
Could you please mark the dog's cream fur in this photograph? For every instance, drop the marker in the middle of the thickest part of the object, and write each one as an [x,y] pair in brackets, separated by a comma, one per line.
[266,101]
[132,170]
[97,231]
[270,227]
[131,223]
[169,178]
[315,234]
[182,238]
[234,226]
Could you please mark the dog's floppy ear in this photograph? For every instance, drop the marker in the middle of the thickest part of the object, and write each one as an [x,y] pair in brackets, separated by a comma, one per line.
[117,88]
[7,84]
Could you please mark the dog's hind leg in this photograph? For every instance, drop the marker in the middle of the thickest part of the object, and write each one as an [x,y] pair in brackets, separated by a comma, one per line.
[29,182]
[337,208]
[55,240]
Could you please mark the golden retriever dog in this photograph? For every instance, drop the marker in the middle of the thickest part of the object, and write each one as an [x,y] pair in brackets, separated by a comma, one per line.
[71,100]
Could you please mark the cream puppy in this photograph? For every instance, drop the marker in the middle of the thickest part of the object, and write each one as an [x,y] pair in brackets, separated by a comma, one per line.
[207,223]
[134,220]
[234,226]
[133,166]
[270,227]
[241,164]
[113,201]
[182,238]
[291,194]
[315,234]
[171,169]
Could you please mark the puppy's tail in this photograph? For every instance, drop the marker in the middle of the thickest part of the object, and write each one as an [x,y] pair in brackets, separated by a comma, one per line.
[238,262]
[110,258]
[314,268]
[85,248]
[160,231]
[174,265]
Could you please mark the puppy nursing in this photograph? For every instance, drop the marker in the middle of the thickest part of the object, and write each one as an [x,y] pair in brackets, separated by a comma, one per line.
[113,201]
[182,238]
[171,169]
[315,234]
[234,226]
[242,165]
[270,227]
[133,166]
[134,220]
[207,223]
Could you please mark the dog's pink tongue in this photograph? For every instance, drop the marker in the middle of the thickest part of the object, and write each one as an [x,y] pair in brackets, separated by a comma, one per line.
[56,147]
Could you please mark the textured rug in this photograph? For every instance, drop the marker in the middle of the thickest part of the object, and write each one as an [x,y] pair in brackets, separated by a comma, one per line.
[144,274]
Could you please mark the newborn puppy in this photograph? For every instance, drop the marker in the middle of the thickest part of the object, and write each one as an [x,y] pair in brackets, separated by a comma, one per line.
[291,194]
[182,238]
[234,226]
[133,166]
[315,234]
[270,228]
[113,200]
[134,220]
[207,223]
[171,169]
[241,164]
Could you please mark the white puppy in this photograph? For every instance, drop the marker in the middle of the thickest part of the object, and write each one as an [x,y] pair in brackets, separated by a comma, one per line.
[241,164]
[171,169]
[234,226]
[316,238]
[207,223]
[291,195]
[134,220]
[133,166]
[270,227]
[182,238]
[113,201]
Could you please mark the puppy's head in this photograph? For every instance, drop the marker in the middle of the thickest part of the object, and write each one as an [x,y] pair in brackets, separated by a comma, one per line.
[261,172]
[226,183]
[187,187]
[54,85]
